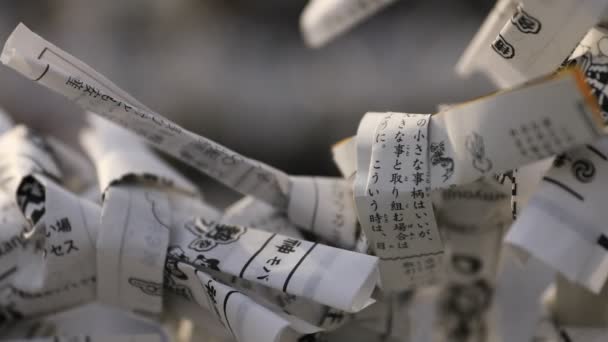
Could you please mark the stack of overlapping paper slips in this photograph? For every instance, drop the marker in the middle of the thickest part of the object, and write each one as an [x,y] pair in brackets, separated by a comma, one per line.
[482,222]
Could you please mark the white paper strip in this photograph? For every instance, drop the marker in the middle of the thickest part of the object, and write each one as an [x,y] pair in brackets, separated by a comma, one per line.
[23,152]
[106,143]
[65,226]
[537,38]
[294,266]
[136,216]
[324,20]
[478,53]
[392,192]
[473,218]
[253,213]
[503,131]
[45,63]
[256,214]
[12,224]
[242,317]
[132,246]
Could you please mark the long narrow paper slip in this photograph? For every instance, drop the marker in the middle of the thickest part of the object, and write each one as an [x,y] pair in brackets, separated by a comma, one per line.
[60,272]
[476,54]
[509,129]
[23,152]
[246,320]
[324,20]
[11,239]
[392,192]
[132,246]
[136,215]
[256,214]
[321,273]
[473,218]
[43,62]
[538,37]
[570,202]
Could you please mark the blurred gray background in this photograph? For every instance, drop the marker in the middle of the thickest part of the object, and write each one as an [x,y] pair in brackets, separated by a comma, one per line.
[238,72]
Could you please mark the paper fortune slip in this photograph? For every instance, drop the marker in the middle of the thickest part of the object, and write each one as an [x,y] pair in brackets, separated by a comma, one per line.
[323,20]
[520,41]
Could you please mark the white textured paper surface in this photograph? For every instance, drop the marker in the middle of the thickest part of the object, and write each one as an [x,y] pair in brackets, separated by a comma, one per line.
[242,317]
[95,338]
[473,218]
[131,247]
[57,270]
[509,129]
[324,20]
[294,266]
[569,201]
[504,131]
[257,214]
[118,154]
[478,52]
[23,152]
[136,215]
[392,192]
[569,197]
[534,41]
[324,206]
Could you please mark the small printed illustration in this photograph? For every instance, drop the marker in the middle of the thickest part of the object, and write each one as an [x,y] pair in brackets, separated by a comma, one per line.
[175,255]
[202,261]
[475,145]
[503,48]
[438,157]
[31,199]
[595,68]
[210,234]
[148,287]
[583,170]
[525,22]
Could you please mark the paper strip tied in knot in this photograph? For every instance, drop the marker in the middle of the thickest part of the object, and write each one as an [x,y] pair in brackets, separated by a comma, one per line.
[392,191]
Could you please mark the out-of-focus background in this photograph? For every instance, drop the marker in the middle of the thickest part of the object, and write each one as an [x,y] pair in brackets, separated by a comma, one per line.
[238,72]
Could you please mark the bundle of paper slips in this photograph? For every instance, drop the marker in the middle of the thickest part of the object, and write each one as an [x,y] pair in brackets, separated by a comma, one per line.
[484,221]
